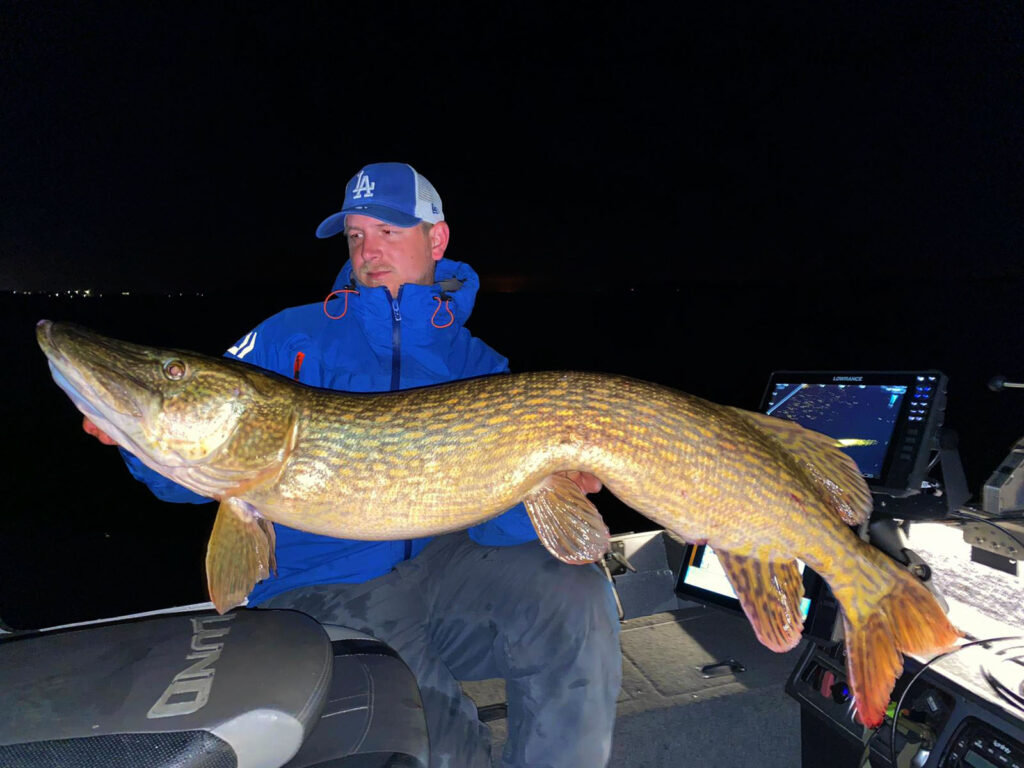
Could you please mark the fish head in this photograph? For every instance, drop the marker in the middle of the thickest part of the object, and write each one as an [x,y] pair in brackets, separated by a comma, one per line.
[171,408]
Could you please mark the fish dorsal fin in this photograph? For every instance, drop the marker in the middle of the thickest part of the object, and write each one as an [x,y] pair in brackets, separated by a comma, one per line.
[833,471]
[567,523]
[240,553]
[770,594]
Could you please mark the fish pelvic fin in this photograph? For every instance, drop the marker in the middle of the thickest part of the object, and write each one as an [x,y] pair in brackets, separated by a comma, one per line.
[833,471]
[905,619]
[239,554]
[567,523]
[770,594]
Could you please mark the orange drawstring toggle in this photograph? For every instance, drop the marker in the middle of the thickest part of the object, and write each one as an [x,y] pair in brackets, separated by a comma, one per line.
[448,309]
[331,295]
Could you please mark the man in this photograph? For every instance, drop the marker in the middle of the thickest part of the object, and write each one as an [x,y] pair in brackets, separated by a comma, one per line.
[487,602]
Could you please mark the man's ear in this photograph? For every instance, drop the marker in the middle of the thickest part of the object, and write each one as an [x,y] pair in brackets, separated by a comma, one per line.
[439,235]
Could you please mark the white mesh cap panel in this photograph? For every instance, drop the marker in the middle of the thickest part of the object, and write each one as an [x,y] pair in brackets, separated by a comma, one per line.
[428,202]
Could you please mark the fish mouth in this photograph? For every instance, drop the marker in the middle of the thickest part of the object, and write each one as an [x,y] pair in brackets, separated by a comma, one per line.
[108,396]
[83,402]
[122,388]
[58,363]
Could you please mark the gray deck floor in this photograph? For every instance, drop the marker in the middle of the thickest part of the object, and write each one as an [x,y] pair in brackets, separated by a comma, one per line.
[669,714]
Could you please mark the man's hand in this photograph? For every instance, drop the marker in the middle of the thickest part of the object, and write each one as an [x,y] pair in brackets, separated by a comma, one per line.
[587,482]
[106,439]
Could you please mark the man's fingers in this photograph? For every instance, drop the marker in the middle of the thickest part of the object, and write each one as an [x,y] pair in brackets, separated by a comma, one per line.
[96,432]
[587,482]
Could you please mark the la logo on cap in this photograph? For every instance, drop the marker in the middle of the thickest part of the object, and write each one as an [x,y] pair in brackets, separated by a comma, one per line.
[364,187]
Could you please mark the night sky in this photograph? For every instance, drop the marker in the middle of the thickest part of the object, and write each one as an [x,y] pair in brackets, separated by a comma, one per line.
[198,147]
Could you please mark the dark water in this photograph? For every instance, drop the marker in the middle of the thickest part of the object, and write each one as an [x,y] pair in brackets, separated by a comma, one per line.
[79,538]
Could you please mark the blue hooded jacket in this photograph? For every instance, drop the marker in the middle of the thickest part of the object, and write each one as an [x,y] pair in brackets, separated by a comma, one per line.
[365,340]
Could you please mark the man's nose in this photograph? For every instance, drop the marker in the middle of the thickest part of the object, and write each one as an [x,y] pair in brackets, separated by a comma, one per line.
[371,246]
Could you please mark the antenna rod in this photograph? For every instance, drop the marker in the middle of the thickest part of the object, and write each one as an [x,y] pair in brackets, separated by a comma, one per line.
[999,383]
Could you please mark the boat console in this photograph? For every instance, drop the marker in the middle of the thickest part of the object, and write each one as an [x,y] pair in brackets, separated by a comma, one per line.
[964,711]
[249,689]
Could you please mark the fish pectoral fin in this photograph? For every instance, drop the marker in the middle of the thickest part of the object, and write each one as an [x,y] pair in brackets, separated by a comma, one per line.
[567,523]
[240,553]
[770,594]
[831,469]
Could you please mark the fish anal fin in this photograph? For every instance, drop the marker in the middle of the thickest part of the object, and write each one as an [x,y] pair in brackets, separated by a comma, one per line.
[908,620]
[567,523]
[830,468]
[239,554]
[770,594]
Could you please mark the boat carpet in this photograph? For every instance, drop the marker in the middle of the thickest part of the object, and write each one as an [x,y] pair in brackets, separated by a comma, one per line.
[670,713]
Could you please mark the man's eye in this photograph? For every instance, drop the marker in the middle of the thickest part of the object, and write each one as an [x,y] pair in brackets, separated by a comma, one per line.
[354,235]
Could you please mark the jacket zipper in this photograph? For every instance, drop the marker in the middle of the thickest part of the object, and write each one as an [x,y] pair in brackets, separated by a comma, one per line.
[396,366]
[396,341]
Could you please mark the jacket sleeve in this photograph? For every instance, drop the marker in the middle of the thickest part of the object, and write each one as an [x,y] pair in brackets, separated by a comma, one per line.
[512,526]
[168,490]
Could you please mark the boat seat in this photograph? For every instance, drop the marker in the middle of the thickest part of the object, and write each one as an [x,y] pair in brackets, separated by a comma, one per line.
[199,690]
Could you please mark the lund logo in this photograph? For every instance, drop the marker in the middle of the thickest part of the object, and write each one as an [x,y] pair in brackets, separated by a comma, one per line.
[847,378]
[190,689]
[363,186]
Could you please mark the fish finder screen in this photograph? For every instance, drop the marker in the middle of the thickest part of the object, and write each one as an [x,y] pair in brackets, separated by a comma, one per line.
[861,416]
[886,421]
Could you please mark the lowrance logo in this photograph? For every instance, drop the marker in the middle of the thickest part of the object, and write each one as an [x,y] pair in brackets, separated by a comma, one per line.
[190,689]
[847,378]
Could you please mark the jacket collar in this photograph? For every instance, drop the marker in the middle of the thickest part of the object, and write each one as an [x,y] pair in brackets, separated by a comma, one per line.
[454,282]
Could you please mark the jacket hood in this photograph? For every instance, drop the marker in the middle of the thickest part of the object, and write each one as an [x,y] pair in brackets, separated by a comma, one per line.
[454,280]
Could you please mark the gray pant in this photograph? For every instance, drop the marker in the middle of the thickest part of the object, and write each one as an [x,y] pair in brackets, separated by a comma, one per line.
[460,611]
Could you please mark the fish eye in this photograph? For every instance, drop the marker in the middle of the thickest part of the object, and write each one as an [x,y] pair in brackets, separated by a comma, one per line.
[175,370]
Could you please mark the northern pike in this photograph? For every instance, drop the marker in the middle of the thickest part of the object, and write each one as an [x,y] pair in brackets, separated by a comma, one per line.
[762,491]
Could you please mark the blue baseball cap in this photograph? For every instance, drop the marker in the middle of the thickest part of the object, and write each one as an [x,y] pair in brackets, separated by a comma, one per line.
[391,192]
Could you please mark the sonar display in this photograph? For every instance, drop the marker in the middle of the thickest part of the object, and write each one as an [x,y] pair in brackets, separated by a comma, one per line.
[861,416]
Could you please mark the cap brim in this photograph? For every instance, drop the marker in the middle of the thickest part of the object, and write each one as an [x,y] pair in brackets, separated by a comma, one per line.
[335,223]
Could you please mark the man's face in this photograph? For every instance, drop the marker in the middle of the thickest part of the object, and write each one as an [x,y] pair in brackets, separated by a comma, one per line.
[388,255]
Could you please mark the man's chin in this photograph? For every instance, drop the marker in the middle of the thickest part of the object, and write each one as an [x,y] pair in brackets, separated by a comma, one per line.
[380,281]
[374,280]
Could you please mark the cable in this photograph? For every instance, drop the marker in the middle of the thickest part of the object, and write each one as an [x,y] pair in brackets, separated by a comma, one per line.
[971,518]
[970,514]
[1005,693]
[899,704]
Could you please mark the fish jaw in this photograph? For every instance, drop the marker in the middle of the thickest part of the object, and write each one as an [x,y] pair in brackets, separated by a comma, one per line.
[112,400]
[187,416]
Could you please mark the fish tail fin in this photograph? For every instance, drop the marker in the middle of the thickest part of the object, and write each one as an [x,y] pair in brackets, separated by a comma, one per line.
[905,618]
